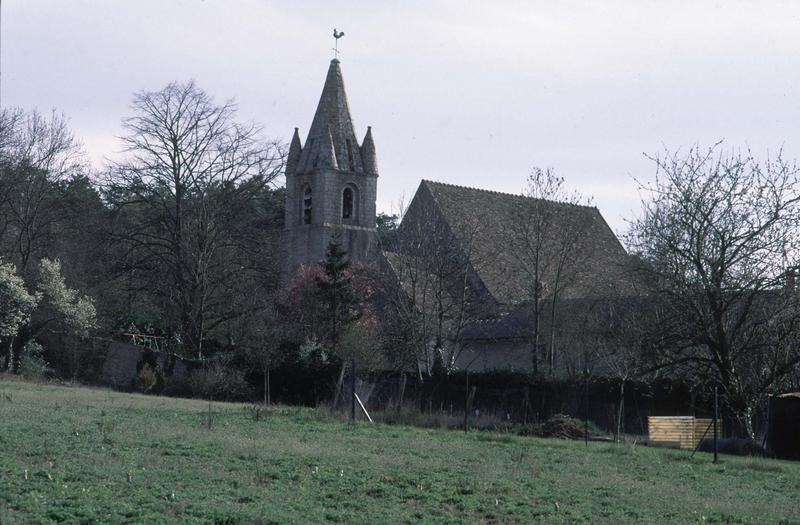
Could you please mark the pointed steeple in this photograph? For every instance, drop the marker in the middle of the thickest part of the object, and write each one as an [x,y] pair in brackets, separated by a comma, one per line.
[332,117]
[368,156]
[295,149]
[326,156]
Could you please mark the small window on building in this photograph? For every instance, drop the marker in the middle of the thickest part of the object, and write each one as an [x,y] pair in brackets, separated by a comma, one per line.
[307,206]
[347,203]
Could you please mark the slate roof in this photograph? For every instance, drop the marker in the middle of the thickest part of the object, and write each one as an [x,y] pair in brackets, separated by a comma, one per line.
[512,325]
[482,222]
[579,315]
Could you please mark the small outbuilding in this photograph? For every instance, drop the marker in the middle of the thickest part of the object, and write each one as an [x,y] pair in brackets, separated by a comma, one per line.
[783,426]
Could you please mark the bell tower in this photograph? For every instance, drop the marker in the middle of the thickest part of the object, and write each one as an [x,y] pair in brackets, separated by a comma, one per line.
[331,183]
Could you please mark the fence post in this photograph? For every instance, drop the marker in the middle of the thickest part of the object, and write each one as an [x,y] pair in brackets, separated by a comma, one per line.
[716,416]
[353,386]
[526,403]
[586,399]
[466,403]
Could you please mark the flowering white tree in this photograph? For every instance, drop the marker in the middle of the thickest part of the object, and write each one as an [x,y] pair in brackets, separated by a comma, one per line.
[16,303]
[53,308]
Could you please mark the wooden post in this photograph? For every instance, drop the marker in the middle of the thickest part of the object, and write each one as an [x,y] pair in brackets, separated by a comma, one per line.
[716,416]
[586,408]
[269,394]
[353,385]
[402,390]
[363,408]
[525,404]
[466,401]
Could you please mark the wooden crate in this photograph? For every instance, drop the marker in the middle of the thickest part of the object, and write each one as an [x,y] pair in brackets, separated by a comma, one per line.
[678,431]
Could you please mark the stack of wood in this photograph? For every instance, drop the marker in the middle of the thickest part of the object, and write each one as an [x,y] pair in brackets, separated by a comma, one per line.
[679,431]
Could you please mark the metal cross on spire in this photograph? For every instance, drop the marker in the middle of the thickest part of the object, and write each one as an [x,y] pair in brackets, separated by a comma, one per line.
[336,35]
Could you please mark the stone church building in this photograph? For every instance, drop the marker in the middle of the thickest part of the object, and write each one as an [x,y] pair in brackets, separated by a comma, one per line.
[482,275]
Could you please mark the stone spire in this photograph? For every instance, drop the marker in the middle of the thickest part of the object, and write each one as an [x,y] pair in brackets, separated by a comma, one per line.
[368,157]
[332,118]
[295,149]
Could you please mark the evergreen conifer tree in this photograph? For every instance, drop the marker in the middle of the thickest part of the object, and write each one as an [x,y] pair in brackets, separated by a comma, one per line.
[340,305]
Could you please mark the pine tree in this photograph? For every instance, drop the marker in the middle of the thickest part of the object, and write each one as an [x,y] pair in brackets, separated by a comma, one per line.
[335,292]
[340,304]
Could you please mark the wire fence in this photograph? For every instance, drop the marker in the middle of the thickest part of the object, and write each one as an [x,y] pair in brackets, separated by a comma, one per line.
[607,404]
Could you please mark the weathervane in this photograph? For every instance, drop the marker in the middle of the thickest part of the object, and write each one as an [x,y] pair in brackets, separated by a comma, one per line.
[337,35]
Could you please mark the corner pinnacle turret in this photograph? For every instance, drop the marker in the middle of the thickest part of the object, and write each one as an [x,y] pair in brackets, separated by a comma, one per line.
[295,149]
[368,156]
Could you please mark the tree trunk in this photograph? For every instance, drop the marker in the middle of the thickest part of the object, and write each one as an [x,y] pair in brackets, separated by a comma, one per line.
[402,390]
[15,351]
[535,353]
[620,413]
[5,352]
[552,342]
[339,384]
[266,385]
[742,411]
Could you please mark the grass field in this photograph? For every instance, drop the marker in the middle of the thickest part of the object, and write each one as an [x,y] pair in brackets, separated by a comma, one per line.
[83,455]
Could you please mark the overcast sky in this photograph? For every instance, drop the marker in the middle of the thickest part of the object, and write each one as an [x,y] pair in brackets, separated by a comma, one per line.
[470,93]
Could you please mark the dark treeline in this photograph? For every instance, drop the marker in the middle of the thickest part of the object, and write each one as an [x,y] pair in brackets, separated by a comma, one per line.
[175,244]
[176,238]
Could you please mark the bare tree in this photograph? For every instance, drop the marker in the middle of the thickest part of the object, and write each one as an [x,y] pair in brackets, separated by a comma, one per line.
[548,242]
[426,289]
[719,238]
[40,159]
[615,334]
[37,154]
[261,334]
[188,168]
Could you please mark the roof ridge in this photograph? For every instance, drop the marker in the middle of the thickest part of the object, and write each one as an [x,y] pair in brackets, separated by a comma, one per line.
[506,194]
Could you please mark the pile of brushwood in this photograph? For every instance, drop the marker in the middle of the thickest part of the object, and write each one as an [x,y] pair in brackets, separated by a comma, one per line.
[558,426]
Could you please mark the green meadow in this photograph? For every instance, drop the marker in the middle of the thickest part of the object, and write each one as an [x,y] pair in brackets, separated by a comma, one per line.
[80,455]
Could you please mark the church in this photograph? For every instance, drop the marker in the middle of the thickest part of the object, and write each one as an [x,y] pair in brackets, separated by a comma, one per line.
[458,245]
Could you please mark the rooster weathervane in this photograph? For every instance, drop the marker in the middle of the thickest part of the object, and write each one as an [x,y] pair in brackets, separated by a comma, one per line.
[336,35]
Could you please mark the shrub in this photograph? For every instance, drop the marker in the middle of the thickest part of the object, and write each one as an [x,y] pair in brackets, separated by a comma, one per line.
[146,379]
[256,412]
[177,386]
[219,381]
[32,365]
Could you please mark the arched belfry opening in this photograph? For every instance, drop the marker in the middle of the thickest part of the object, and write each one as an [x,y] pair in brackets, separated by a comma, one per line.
[349,203]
